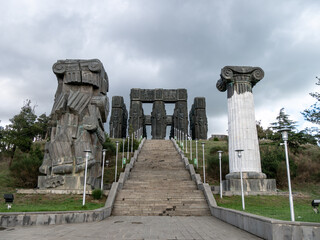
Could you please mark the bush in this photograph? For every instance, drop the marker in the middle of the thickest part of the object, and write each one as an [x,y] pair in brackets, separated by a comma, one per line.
[213,166]
[25,167]
[135,145]
[96,194]
[110,147]
[273,164]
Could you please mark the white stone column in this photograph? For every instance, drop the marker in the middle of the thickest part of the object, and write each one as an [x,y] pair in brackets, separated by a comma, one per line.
[239,81]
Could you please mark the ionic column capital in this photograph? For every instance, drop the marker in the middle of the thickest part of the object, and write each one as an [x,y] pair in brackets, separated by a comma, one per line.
[247,77]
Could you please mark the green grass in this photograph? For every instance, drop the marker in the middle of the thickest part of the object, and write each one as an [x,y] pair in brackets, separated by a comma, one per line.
[207,147]
[51,202]
[276,207]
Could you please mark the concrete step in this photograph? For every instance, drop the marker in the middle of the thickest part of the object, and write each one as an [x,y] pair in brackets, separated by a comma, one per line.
[159,184]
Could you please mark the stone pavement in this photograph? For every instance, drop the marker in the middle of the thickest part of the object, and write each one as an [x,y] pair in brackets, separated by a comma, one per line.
[134,227]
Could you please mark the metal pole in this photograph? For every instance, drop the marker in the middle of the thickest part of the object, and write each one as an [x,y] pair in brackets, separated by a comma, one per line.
[186,143]
[128,148]
[122,152]
[191,148]
[85,177]
[197,152]
[132,143]
[241,180]
[113,133]
[203,164]
[116,169]
[289,182]
[220,152]
[103,161]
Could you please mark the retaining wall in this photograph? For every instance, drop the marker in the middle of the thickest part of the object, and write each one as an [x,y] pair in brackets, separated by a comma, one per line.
[266,228]
[12,219]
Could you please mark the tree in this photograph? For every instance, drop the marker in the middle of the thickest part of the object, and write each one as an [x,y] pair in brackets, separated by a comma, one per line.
[283,121]
[312,114]
[24,128]
[21,131]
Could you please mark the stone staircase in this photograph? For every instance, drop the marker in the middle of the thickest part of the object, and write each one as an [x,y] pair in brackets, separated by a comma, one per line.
[159,185]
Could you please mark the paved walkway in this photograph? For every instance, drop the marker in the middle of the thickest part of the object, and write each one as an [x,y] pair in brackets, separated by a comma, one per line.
[129,227]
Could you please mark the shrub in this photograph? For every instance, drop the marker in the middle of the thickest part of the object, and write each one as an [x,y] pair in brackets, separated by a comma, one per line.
[213,166]
[25,167]
[96,194]
[110,147]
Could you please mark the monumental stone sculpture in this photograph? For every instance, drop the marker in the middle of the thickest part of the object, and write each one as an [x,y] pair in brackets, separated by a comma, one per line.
[118,118]
[158,119]
[198,119]
[79,111]
[239,81]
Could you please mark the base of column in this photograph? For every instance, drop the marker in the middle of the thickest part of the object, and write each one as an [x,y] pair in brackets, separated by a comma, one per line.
[252,182]
[67,182]
[249,175]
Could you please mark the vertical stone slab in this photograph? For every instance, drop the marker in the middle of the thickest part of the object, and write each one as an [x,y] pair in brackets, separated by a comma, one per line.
[136,119]
[158,120]
[198,119]
[239,81]
[80,108]
[118,119]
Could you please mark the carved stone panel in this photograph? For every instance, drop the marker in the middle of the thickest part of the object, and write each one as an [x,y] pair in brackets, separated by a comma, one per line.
[158,120]
[80,108]
[119,117]
[198,119]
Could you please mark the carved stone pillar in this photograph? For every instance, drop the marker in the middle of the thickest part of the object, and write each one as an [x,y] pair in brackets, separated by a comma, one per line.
[158,120]
[198,119]
[80,108]
[180,116]
[136,119]
[239,81]
[119,117]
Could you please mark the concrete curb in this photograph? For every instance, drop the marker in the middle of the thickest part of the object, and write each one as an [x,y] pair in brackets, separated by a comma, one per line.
[13,219]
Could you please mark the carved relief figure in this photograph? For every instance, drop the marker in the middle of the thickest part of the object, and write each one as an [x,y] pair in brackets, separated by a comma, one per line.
[80,108]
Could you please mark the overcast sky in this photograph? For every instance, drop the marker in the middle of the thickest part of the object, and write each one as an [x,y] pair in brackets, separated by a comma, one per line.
[164,44]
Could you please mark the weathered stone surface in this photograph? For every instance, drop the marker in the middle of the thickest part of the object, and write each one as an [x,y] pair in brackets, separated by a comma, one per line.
[159,97]
[137,118]
[239,81]
[80,108]
[158,120]
[180,117]
[119,118]
[198,119]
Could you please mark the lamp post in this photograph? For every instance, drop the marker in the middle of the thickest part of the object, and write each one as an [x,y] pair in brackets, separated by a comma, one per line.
[132,144]
[220,152]
[128,148]
[203,164]
[197,153]
[85,177]
[239,152]
[103,161]
[122,152]
[284,133]
[186,143]
[190,147]
[116,168]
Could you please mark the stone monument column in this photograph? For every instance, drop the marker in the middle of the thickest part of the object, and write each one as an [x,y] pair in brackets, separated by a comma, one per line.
[158,120]
[239,81]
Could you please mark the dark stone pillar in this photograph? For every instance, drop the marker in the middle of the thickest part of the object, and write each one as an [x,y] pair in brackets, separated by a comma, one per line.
[119,117]
[158,120]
